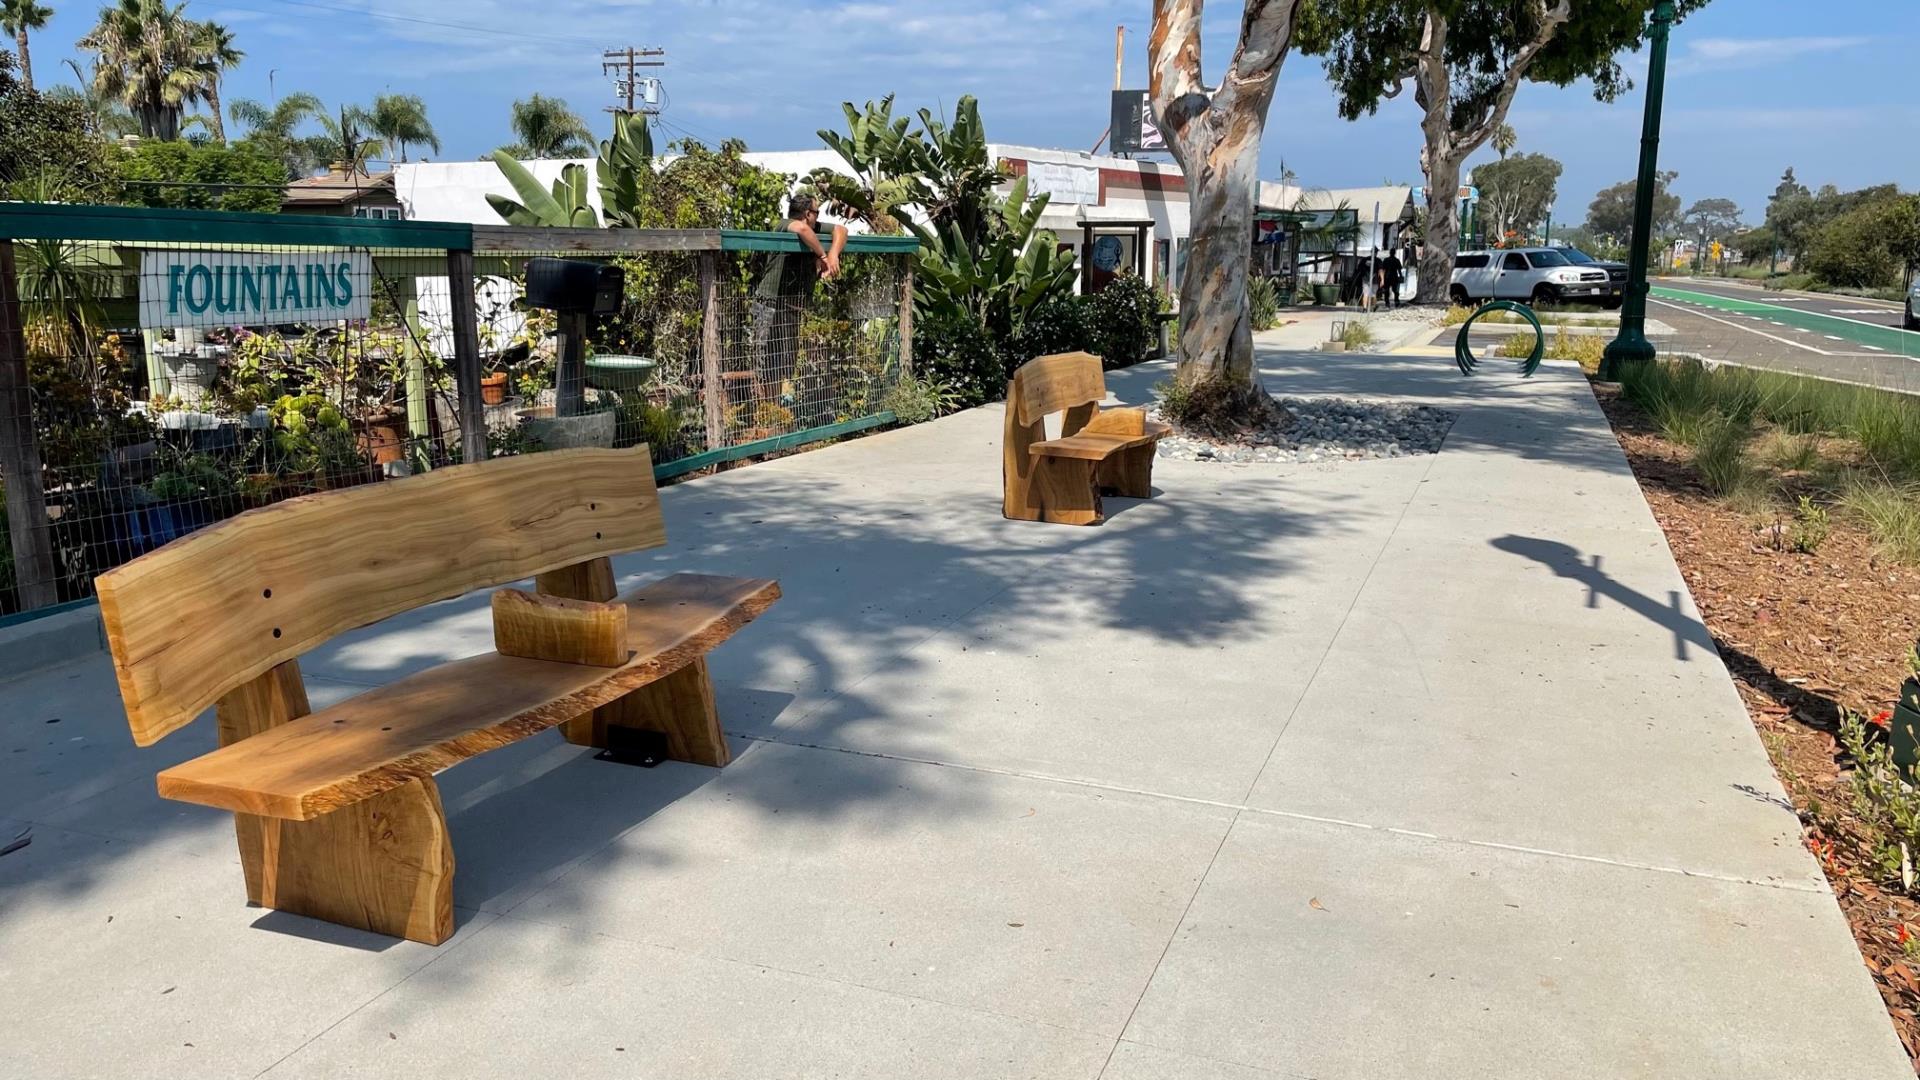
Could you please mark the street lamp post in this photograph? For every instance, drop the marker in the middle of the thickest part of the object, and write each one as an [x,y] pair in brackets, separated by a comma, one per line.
[1632,346]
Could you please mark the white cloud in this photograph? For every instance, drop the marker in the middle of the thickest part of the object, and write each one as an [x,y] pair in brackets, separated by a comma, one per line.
[1730,54]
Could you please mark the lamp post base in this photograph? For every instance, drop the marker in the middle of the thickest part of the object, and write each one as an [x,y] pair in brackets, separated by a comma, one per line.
[1631,347]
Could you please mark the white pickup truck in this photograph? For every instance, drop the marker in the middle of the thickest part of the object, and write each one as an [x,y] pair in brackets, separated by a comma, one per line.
[1536,275]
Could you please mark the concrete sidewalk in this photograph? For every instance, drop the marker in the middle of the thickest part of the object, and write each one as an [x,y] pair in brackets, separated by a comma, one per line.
[1406,768]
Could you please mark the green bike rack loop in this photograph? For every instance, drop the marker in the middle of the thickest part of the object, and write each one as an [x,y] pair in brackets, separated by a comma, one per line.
[1463,354]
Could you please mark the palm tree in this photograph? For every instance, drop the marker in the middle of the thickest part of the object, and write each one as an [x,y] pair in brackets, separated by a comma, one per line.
[548,129]
[218,55]
[274,126]
[400,119]
[151,57]
[108,114]
[1503,140]
[346,141]
[17,17]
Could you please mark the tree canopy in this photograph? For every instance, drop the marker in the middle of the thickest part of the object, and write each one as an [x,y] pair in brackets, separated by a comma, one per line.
[1465,60]
[1516,192]
[1714,219]
[1611,212]
[242,176]
[49,147]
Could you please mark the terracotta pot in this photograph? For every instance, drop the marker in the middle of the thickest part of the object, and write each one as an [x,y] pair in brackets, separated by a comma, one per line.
[386,436]
[493,389]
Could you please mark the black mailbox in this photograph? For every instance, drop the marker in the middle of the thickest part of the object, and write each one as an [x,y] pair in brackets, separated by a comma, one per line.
[574,285]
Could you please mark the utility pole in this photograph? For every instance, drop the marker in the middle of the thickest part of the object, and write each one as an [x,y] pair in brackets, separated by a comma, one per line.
[1632,345]
[634,93]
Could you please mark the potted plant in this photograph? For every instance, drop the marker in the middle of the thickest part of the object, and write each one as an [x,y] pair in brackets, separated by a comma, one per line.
[493,388]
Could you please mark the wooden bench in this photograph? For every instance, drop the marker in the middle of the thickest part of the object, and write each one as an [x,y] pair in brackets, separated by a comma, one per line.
[1060,480]
[337,813]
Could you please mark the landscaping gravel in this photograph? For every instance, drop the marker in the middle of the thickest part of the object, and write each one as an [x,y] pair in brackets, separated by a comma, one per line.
[1325,429]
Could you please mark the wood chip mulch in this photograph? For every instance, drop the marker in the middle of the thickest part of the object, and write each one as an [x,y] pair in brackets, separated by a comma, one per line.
[1805,636]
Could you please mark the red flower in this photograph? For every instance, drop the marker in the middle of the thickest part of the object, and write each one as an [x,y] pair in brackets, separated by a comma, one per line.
[1903,934]
[1882,719]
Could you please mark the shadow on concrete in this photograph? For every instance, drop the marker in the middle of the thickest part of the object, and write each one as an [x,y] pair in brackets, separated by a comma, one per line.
[1566,561]
[879,544]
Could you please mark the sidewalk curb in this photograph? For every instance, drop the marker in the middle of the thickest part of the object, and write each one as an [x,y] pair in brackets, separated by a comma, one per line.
[30,647]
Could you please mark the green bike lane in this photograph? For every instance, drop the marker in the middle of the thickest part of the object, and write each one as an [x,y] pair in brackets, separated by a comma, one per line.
[1885,339]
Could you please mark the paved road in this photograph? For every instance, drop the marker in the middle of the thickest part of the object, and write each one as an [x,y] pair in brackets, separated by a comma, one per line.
[1765,337]
[1853,308]
[1818,323]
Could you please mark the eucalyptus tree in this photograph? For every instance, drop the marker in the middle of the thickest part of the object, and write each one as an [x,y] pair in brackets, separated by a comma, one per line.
[1464,61]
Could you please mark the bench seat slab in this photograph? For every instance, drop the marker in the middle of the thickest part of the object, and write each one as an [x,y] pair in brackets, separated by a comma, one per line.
[390,736]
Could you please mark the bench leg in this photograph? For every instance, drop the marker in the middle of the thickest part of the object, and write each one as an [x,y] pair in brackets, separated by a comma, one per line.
[384,864]
[1129,473]
[1063,492]
[679,706]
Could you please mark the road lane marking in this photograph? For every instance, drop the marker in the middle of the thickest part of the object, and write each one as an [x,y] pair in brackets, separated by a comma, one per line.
[1748,329]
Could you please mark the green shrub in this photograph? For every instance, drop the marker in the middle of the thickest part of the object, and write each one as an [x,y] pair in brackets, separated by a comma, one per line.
[1357,335]
[957,350]
[1788,452]
[1516,345]
[1121,323]
[1889,431]
[915,401]
[1810,527]
[1263,302]
[1061,323]
[1886,807]
[1891,512]
[1587,350]
[659,426]
[1719,455]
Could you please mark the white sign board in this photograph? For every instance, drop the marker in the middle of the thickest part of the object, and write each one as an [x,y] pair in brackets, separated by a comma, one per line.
[207,289]
[1063,183]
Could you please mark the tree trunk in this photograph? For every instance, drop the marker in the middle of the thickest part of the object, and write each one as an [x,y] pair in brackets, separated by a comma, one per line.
[1443,226]
[1215,136]
[1216,332]
[26,59]
[213,106]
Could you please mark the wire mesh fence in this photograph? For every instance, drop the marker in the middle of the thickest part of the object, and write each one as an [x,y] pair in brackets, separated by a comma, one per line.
[708,352]
[161,378]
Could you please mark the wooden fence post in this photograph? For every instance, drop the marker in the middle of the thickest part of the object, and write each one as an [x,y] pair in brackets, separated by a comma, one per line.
[27,527]
[906,318]
[466,355]
[713,389]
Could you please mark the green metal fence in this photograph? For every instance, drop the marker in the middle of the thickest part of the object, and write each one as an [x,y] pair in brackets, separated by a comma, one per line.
[161,370]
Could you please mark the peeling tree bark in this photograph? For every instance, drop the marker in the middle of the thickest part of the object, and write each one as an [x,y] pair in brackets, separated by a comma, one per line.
[1217,143]
[1448,147]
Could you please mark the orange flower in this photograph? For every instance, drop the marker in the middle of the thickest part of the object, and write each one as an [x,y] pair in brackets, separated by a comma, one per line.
[1882,719]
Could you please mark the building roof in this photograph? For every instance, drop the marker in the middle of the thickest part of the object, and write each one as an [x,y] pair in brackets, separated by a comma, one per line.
[1394,199]
[338,187]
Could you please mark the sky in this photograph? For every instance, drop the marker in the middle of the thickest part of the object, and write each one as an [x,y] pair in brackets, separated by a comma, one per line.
[1754,86]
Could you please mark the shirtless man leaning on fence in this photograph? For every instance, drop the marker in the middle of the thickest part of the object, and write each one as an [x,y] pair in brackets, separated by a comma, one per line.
[780,298]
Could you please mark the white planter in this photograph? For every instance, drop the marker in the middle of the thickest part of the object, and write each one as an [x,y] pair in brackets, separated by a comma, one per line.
[567,432]
[191,375]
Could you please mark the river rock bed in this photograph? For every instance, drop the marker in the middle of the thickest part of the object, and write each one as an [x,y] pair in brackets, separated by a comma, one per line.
[1324,429]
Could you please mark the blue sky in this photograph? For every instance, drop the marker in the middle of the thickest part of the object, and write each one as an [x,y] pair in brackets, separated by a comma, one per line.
[1754,85]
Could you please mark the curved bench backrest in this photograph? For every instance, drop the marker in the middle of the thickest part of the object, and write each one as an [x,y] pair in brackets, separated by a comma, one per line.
[1049,384]
[204,614]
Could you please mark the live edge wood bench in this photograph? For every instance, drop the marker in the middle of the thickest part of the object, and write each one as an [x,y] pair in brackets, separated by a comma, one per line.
[337,813]
[1061,480]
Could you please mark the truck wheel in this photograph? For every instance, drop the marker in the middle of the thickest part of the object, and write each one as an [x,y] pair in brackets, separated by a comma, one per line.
[1543,294]
[1458,294]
